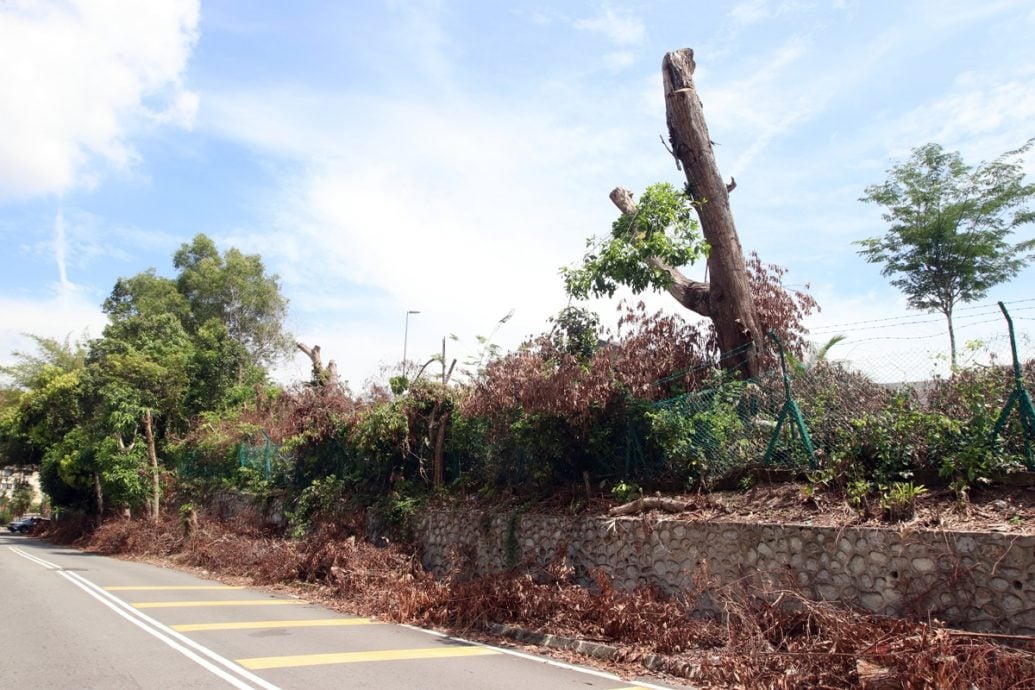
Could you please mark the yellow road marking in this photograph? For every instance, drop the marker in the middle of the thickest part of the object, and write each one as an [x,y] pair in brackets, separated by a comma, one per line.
[158,588]
[258,663]
[251,625]
[217,602]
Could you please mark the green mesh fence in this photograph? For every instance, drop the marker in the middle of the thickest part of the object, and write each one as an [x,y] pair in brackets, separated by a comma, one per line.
[974,421]
[259,453]
[195,464]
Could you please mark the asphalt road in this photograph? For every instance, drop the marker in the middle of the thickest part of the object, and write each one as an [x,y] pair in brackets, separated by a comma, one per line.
[75,620]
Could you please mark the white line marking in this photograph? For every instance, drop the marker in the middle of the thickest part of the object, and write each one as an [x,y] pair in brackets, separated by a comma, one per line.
[38,561]
[170,637]
[531,657]
[268,686]
[204,663]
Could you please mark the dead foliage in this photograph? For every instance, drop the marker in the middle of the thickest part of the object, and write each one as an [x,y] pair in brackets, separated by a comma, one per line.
[787,641]
[758,640]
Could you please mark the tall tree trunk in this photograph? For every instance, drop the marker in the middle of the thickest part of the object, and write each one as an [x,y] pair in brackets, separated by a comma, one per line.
[731,306]
[98,495]
[156,485]
[437,427]
[952,339]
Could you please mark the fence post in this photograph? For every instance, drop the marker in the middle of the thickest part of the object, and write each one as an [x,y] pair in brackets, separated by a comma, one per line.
[1020,397]
[790,408]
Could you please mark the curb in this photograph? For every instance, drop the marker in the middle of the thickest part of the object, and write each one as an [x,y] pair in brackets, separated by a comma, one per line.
[652,662]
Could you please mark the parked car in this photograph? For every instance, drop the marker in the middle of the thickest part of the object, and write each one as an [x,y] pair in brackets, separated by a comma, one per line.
[26,524]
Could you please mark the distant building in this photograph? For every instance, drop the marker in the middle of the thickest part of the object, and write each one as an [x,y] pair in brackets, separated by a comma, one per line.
[12,475]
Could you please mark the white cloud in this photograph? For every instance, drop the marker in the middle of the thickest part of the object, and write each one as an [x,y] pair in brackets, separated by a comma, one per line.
[754,11]
[982,116]
[621,29]
[619,60]
[65,312]
[78,78]
[361,215]
[760,107]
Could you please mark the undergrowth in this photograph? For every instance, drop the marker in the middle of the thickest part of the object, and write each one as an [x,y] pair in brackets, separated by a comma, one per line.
[773,640]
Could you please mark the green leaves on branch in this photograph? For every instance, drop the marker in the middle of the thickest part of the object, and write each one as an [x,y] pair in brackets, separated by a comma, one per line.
[661,231]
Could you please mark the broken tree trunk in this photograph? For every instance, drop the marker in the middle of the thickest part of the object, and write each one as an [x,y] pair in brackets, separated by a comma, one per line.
[730,304]
[692,294]
[323,376]
[645,503]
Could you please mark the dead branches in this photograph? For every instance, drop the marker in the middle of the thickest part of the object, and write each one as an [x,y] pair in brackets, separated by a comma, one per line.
[645,503]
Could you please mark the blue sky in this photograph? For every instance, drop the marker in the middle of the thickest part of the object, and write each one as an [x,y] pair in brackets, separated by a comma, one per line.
[449,157]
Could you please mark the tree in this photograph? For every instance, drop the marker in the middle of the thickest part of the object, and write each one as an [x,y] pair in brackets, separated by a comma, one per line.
[950,224]
[42,405]
[726,299]
[137,374]
[21,498]
[234,290]
[646,242]
[97,419]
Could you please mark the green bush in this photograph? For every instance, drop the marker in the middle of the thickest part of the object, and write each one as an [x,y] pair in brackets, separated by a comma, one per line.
[705,436]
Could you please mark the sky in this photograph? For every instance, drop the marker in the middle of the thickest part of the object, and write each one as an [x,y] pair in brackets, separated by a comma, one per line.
[448,157]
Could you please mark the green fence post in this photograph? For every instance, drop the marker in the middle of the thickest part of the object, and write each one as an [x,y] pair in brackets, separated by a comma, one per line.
[790,408]
[1020,397]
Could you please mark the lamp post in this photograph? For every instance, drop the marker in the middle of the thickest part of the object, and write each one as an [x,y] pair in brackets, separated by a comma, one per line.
[406,336]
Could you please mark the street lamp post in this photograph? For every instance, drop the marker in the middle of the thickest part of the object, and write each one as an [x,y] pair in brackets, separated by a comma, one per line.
[406,336]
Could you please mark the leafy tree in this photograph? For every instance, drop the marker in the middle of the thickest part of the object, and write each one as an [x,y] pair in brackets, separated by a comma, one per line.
[643,245]
[43,404]
[146,293]
[576,331]
[28,367]
[138,374]
[233,289]
[950,224]
[21,498]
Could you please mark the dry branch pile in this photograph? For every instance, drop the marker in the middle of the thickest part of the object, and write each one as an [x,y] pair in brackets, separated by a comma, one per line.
[776,641]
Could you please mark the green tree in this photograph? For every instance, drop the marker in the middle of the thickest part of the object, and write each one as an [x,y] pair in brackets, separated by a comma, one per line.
[644,249]
[65,355]
[138,375]
[233,289]
[42,404]
[576,331]
[950,226]
[21,499]
[97,418]
[146,293]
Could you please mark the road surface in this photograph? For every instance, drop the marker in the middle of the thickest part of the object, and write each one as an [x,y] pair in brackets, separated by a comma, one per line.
[86,621]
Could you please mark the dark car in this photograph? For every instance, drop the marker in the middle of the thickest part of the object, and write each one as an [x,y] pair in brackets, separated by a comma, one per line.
[25,524]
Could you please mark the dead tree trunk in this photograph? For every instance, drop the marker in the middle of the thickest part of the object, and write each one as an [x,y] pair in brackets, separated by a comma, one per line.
[323,376]
[730,304]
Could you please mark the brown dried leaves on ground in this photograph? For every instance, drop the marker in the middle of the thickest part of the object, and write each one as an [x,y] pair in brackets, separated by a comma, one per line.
[761,640]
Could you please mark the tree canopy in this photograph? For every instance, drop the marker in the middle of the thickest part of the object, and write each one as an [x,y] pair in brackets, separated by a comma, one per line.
[950,223]
[234,290]
[96,417]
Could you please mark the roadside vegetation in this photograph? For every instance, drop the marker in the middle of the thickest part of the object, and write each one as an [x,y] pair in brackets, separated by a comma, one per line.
[150,438]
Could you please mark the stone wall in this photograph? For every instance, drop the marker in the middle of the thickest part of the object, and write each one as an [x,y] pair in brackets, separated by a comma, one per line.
[978,581]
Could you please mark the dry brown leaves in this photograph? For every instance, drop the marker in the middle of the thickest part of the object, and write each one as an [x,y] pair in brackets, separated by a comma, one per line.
[775,640]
